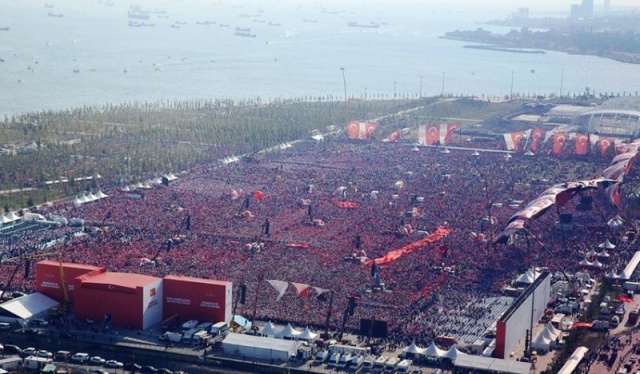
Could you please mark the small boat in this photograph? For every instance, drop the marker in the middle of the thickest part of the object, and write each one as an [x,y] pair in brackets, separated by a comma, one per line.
[4,28]
[274,24]
[56,15]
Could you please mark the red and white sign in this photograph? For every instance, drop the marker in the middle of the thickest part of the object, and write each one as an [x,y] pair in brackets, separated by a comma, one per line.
[361,130]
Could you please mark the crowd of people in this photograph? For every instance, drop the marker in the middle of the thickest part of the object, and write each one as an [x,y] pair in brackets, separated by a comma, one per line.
[313,213]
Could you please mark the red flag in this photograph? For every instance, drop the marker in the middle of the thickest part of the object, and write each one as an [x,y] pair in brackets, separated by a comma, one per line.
[614,194]
[432,135]
[393,137]
[559,139]
[582,144]
[370,127]
[536,134]
[450,129]
[258,195]
[605,143]
[512,140]
[353,129]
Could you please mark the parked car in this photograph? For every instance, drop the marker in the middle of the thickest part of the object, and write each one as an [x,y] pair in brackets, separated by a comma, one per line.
[132,367]
[44,353]
[80,357]
[30,351]
[97,360]
[190,324]
[39,322]
[12,349]
[113,364]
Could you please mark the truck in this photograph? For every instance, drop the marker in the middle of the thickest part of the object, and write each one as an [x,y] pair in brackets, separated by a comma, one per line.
[188,335]
[36,363]
[220,328]
[171,337]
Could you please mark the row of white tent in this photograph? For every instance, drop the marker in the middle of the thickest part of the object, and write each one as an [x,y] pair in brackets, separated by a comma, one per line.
[432,351]
[9,218]
[89,197]
[149,184]
[287,332]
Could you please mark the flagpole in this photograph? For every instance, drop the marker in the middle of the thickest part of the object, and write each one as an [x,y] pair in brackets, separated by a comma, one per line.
[255,301]
[326,327]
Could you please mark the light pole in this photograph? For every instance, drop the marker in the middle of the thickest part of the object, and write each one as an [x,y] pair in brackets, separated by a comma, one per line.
[394,89]
[561,81]
[421,86]
[344,81]
[442,84]
[511,93]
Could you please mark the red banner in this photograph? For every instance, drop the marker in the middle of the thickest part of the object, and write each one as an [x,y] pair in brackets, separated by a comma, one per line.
[605,143]
[559,140]
[347,204]
[536,134]
[582,144]
[433,134]
[391,256]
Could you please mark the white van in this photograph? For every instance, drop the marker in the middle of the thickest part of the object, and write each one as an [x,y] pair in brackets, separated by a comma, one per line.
[403,366]
[321,357]
[80,357]
[334,359]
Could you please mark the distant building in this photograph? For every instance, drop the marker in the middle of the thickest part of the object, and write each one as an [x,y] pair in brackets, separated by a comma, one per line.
[607,6]
[582,11]
[521,14]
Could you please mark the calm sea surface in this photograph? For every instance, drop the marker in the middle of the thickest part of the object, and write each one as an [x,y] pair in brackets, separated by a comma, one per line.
[91,56]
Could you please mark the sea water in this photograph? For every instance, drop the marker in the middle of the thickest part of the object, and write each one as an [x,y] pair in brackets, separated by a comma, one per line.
[91,56]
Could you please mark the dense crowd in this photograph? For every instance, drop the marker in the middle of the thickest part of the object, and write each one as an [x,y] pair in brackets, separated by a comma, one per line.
[204,223]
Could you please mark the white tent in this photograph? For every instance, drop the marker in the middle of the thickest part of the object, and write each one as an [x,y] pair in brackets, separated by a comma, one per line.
[126,189]
[603,254]
[556,332]
[541,344]
[415,149]
[259,347]
[4,219]
[529,153]
[433,351]
[547,334]
[92,197]
[77,201]
[507,156]
[101,195]
[475,153]
[445,150]
[597,264]
[268,330]
[453,353]
[606,245]
[586,262]
[529,276]
[27,307]
[83,199]
[307,335]
[139,185]
[612,275]
[592,253]
[412,351]
[615,222]
[12,216]
[289,333]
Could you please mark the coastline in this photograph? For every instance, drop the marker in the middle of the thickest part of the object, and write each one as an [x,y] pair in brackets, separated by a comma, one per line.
[504,49]
[494,44]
